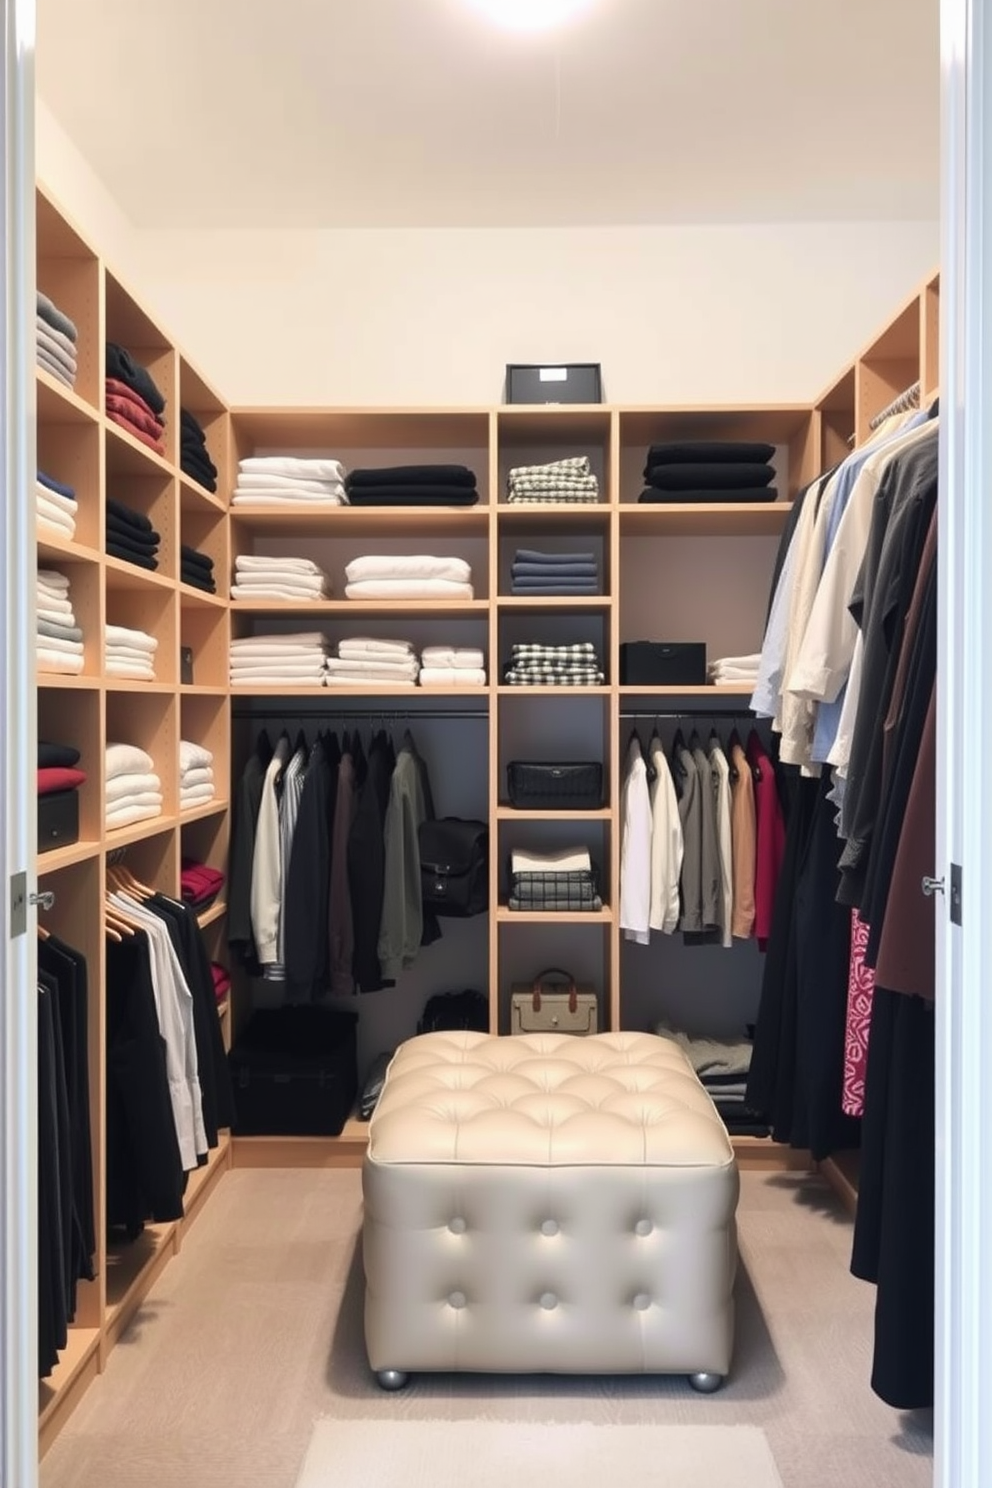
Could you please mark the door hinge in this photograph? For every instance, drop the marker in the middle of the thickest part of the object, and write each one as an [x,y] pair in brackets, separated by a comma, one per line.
[18,905]
[931,886]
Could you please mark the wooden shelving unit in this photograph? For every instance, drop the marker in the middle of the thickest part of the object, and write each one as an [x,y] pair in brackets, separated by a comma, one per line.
[652,559]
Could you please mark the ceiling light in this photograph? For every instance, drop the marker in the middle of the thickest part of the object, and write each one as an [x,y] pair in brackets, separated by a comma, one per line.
[530,15]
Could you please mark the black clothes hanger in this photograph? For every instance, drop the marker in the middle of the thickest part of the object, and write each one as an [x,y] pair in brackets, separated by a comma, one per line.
[263,748]
[301,743]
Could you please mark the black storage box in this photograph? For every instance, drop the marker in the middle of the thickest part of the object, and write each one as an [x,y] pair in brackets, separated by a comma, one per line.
[574,786]
[663,663]
[58,819]
[295,1072]
[573,382]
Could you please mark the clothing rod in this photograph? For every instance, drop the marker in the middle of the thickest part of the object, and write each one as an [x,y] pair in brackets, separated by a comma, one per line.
[694,713]
[910,398]
[386,715]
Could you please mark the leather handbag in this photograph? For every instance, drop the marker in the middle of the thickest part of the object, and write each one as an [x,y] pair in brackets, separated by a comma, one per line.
[549,1006]
[569,786]
[454,866]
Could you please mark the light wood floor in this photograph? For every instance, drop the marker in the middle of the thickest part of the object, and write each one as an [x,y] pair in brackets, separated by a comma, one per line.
[255,1331]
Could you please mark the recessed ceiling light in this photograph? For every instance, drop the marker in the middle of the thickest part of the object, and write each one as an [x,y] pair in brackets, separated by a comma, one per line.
[530,15]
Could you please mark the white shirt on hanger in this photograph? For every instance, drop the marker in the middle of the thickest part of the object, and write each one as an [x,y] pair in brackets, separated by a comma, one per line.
[667,845]
[635,849]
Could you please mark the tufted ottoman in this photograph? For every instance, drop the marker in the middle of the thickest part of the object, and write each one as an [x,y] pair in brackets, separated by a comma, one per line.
[548,1203]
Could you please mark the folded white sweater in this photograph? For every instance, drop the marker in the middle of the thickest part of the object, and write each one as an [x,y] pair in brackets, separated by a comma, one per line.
[294,466]
[124,759]
[67,504]
[407,566]
[139,671]
[359,646]
[50,578]
[273,498]
[197,775]
[268,481]
[275,643]
[372,664]
[127,814]
[135,640]
[264,562]
[58,661]
[569,860]
[196,795]
[191,753]
[408,589]
[452,677]
[337,680]
[132,783]
[453,656]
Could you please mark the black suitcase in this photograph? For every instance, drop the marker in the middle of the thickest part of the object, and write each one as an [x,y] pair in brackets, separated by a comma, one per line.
[295,1072]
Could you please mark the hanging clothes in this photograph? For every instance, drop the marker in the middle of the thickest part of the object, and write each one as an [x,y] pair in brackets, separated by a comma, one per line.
[720,770]
[266,868]
[367,864]
[635,847]
[308,881]
[667,847]
[401,926]
[743,834]
[244,819]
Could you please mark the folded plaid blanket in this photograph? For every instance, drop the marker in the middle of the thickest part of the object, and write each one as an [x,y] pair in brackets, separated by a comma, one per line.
[537,651]
[572,466]
[555,497]
[553,679]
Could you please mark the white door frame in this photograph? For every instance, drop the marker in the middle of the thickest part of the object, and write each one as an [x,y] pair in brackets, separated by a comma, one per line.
[963,1403]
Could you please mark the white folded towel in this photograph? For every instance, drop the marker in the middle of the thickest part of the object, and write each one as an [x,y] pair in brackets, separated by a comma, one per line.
[453,656]
[292,465]
[57,520]
[198,775]
[330,680]
[263,499]
[50,578]
[125,759]
[68,504]
[195,795]
[268,675]
[408,589]
[135,783]
[126,815]
[290,638]
[397,666]
[407,566]
[268,481]
[250,562]
[67,646]
[452,677]
[359,646]
[136,640]
[138,671]
[191,753]
[568,860]
[58,661]
[253,593]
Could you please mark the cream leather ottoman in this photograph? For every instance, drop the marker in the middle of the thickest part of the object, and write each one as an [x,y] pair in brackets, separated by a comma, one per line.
[547,1203]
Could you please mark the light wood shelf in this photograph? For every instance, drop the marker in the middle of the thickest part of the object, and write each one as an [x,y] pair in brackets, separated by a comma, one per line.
[123,575]
[507,916]
[513,813]
[199,598]
[208,808]
[709,519]
[340,609]
[62,404]
[64,857]
[303,519]
[55,549]
[552,603]
[82,683]
[507,690]
[212,914]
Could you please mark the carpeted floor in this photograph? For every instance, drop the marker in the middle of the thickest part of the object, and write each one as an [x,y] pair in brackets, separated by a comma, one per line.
[254,1333]
[492,1454]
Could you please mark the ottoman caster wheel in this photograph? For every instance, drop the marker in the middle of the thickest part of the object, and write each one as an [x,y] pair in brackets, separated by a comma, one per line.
[392,1379]
[705,1383]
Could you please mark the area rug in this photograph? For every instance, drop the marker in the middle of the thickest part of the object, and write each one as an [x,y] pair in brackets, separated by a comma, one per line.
[505,1454]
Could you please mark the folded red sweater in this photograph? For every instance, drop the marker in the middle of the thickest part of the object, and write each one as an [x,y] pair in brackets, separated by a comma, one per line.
[126,423]
[59,777]
[121,390]
[145,421]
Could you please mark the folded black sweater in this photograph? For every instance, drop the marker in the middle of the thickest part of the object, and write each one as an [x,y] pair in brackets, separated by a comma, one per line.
[412,475]
[653,497]
[195,559]
[413,496]
[709,452]
[121,364]
[140,560]
[128,515]
[138,537]
[715,477]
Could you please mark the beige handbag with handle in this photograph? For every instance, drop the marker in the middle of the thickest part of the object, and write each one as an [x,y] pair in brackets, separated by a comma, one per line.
[548,1006]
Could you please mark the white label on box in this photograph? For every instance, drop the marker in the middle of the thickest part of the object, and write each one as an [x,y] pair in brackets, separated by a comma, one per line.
[554,374]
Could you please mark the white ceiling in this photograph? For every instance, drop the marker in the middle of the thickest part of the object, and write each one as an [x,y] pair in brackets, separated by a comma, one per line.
[387,113]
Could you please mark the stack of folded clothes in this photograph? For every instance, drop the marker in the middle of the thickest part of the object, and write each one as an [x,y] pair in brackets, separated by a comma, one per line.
[554,573]
[199,884]
[452,666]
[132,398]
[56,341]
[221,979]
[133,790]
[196,775]
[735,671]
[130,653]
[60,641]
[55,505]
[131,536]
[408,576]
[535,665]
[197,569]
[555,881]
[279,578]
[267,479]
[58,774]
[194,457]
[413,485]
[571,481]
[298,659]
[722,1065]
[363,660]
[700,470]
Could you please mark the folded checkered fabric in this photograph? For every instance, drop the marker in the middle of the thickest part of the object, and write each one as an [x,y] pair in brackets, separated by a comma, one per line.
[537,651]
[553,679]
[554,891]
[554,497]
[573,466]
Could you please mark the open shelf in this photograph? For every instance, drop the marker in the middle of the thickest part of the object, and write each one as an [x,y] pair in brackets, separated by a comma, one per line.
[706,519]
[342,608]
[302,519]
[61,403]
[514,813]
[507,916]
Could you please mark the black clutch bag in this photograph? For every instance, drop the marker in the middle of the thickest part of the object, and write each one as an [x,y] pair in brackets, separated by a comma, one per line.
[535,786]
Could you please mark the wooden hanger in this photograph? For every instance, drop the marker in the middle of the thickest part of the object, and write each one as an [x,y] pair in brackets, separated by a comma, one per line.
[43,934]
[123,879]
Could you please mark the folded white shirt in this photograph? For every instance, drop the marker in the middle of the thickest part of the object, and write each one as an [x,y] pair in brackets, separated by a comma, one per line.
[290,638]
[267,675]
[568,860]
[135,783]
[293,465]
[332,680]
[138,671]
[193,795]
[250,562]
[257,481]
[127,815]
[372,664]
[56,614]
[126,759]
[56,520]
[56,585]
[198,775]
[408,589]
[191,753]
[137,640]
[59,661]
[407,566]
[252,593]
[748,663]
[131,653]
[453,656]
[287,577]
[62,643]
[271,658]
[264,499]
[359,646]
[452,677]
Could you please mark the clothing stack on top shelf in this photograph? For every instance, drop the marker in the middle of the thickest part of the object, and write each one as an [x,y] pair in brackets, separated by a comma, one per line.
[267,479]
[168,1085]
[570,481]
[536,573]
[196,775]
[554,882]
[717,470]
[413,485]
[194,457]
[130,653]
[537,665]
[722,1065]
[408,576]
[66,1222]
[133,790]
[197,569]
[734,671]
[131,536]
[279,578]
[55,506]
[56,337]
[325,863]
[60,641]
[452,666]
[297,659]
[701,840]
[848,677]
[58,772]
[364,660]
[133,400]
[199,883]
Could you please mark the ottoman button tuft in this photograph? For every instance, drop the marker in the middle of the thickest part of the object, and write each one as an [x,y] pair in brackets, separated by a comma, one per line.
[643,1227]
[457,1300]
[549,1227]
[642,1302]
[549,1301]
[457,1226]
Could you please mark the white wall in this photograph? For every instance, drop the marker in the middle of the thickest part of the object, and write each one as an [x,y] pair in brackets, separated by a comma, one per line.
[688,314]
